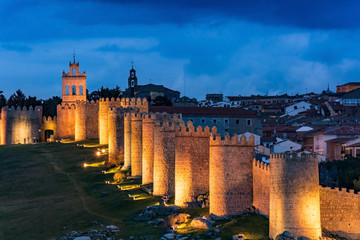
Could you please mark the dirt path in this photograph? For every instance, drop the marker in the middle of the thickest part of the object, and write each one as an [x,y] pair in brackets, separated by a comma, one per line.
[80,191]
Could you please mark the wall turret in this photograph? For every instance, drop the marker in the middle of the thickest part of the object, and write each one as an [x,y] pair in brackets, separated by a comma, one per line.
[231,180]
[148,142]
[294,195]
[191,163]
[116,136]
[164,158]
[136,144]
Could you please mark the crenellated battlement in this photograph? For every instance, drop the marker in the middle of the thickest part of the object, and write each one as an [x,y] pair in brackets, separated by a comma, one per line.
[116,110]
[218,140]
[66,106]
[130,102]
[341,191]
[84,103]
[136,116]
[49,119]
[262,165]
[293,156]
[165,126]
[110,100]
[187,130]
[23,109]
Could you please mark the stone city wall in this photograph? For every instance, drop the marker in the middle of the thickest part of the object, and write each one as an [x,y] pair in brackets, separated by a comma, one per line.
[191,163]
[116,136]
[164,158]
[136,144]
[48,123]
[66,121]
[21,125]
[294,195]
[231,180]
[340,211]
[261,186]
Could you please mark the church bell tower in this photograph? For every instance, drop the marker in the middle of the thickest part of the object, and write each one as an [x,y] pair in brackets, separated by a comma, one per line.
[132,80]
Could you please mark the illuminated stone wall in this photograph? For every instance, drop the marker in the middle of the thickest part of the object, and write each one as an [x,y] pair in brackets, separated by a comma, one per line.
[80,120]
[340,212]
[136,144]
[134,103]
[127,140]
[231,180]
[261,186]
[164,158]
[48,123]
[116,136]
[3,120]
[294,195]
[148,142]
[191,163]
[104,104]
[21,125]
[66,121]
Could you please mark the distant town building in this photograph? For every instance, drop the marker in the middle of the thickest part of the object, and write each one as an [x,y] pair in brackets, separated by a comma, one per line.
[149,91]
[226,120]
[215,97]
[297,108]
[351,98]
[347,87]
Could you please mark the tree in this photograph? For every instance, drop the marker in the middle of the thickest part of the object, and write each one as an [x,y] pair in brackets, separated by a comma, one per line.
[3,101]
[104,93]
[161,101]
[357,184]
[17,99]
[49,106]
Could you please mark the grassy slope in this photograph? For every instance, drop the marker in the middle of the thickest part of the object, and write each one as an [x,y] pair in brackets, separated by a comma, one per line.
[45,192]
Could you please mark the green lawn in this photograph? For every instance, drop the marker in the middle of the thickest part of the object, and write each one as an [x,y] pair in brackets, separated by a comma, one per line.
[46,192]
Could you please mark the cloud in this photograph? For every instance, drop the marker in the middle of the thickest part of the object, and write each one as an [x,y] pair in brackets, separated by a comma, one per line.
[16,47]
[108,48]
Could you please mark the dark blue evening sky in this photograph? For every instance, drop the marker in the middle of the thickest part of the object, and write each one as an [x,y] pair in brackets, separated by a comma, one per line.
[234,47]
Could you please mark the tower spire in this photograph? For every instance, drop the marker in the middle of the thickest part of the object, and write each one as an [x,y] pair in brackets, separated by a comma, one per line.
[132,64]
[74,55]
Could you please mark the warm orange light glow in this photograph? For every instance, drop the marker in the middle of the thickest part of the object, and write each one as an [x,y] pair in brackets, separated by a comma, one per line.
[85,165]
[98,153]
[103,151]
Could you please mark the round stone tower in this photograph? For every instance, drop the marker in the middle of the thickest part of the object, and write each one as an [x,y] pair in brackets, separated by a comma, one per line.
[148,147]
[116,136]
[136,144]
[231,183]
[294,195]
[127,140]
[164,158]
[191,164]
[104,105]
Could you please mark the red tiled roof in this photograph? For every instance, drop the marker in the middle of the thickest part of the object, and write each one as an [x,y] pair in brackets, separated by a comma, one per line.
[281,128]
[345,130]
[204,111]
